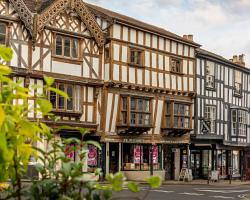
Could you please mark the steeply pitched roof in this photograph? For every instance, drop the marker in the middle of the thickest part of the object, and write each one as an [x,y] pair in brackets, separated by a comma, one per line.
[137,23]
[203,52]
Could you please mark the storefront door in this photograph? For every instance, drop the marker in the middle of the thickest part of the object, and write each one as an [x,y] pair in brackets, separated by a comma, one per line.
[196,164]
[113,157]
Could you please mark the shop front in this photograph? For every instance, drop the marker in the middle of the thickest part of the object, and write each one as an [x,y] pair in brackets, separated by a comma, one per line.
[140,157]
[225,160]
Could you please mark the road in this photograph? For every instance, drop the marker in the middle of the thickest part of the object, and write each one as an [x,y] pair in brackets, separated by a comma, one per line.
[189,192]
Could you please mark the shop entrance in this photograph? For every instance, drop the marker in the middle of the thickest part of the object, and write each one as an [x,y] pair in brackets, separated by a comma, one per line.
[113,157]
[196,164]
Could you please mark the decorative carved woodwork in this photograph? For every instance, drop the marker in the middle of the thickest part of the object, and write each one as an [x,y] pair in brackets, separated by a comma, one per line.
[129,130]
[75,5]
[24,13]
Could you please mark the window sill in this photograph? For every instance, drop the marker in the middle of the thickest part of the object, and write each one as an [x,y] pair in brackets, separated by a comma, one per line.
[177,73]
[67,59]
[136,65]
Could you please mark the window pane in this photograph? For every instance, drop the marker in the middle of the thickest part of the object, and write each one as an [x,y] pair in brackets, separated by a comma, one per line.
[53,99]
[176,109]
[75,48]
[140,104]
[176,122]
[2,33]
[147,119]
[58,45]
[146,105]
[67,46]
[140,119]
[124,117]
[133,104]
[124,103]
[70,100]
[77,98]
[61,98]
[133,118]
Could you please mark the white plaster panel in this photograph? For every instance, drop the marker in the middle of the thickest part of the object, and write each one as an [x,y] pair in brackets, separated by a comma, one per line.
[191,49]
[139,76]
[154,79]
[90,94]
[148,39]
[161,43]
[160,61]
[133,35]
[191,67]
[108,111]
[124,54]
[185,50]
[24,54]
[96,65]
[66,68]
[173,82]
[90,114]
[147,77]
[185,66]
[191,84]
[116,72]
[154,41]
[124,73]
[47,63]
[117,31]
[174,47]
[179,83]
[31,107]
[180,49]
[167,81]
[167,43]
[158,117]
[185,85]
[131,74]
[125,33]
[113,124]
[167,63]
[161,81]
[116,52]
[153,60]
[147,59]
[86,70]
[106,72]
[140,38]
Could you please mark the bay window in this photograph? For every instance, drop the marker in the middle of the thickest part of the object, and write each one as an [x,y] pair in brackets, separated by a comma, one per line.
[135,111]
[59,102]
[239,122]
[177,115]
[67,47]
[210,117]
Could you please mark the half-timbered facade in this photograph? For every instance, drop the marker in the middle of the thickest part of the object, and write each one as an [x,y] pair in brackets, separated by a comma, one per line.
[221,115]
[61,39]
[149,85]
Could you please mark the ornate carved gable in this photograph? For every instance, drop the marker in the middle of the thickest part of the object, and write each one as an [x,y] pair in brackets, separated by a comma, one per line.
[77,6]
[24,13]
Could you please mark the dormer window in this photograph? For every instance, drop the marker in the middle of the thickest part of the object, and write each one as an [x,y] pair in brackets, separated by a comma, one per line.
[3,30]
[67,47]
[210,75]
[136,56]
[237,83]
[176,65]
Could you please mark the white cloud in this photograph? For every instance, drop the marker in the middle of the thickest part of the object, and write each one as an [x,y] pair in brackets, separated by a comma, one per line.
[222,26]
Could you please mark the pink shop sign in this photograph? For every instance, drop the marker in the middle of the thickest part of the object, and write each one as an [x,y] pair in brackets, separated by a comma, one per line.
[138,154]
[92,156]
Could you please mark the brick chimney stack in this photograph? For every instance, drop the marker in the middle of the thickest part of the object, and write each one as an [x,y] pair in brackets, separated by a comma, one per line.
[189,37]
[240,60]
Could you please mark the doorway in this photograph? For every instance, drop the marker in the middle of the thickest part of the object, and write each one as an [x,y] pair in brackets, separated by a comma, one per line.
[113,157]
[196,164]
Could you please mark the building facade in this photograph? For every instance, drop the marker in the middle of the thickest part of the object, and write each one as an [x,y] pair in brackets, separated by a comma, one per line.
[132,85]
[222,126]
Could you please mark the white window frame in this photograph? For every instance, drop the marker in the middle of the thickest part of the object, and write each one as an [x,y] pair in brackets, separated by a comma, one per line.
[210,116]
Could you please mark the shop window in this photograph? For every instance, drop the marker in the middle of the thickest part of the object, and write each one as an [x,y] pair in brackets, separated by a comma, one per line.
[210,117]
[67,47]
[3,31]
[59,102]
[136,57]
[222,162]
[135,111]
[176,65]
[138,157]
[210,75]
[180,115]
[239,122]
[237,83]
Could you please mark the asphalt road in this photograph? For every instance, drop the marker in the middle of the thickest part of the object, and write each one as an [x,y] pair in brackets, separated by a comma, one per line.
[189,192]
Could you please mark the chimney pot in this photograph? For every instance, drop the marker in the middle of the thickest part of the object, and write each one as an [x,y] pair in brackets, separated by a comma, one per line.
[240,60]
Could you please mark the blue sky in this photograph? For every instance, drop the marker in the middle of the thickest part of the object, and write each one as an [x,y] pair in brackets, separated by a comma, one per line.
[221,26]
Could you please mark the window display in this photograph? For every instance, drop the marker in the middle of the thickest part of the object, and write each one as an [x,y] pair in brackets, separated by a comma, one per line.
[138,157]
[236,162]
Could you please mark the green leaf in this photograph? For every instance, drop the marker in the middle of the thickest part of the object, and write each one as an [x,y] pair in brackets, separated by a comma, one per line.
[107,194]
[59,92]
[6,53]
[4,70]
[133,187]
[154,181]
[49,80]
[44,105]
[2,116]
[96,144]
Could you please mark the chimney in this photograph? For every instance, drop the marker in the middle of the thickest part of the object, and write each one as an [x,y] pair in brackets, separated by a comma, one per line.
[189,37]
[240,60]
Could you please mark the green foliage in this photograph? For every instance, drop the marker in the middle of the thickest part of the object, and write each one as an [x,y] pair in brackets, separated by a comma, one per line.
[59,177]
[154,181]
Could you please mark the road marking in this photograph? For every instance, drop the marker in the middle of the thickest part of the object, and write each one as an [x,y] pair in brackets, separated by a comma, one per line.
[161,191]
[224,191]
[193,194]
[222,197]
